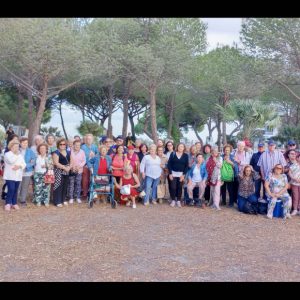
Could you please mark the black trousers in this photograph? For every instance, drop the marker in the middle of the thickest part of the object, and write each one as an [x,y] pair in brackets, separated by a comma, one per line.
[229,187]
[60,194]
[235,189]
[207,193]
[176,188]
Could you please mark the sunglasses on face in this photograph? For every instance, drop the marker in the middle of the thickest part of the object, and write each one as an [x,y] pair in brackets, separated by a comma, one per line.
[62,144]
[292,145]
[278,168]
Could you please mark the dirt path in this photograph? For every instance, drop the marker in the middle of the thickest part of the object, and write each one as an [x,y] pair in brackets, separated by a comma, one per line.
[156,243]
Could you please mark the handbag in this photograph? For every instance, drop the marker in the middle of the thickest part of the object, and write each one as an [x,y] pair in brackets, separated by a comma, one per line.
[125,190]
[227,173]
[161,191]
[49,177]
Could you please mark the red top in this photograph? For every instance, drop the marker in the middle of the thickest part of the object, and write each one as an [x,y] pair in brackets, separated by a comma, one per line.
[102,169]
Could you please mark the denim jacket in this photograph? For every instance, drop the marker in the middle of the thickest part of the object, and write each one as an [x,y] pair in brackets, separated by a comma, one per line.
[29,155]
[94,162]
[203,171]
[235,166]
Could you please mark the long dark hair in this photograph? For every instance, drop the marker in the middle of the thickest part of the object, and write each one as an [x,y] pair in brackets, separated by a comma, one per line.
[166,147]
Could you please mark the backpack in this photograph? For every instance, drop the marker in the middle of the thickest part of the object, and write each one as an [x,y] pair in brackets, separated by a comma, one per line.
[227,173]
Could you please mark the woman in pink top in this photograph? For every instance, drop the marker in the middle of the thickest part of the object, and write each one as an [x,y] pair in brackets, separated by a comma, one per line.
[77,162]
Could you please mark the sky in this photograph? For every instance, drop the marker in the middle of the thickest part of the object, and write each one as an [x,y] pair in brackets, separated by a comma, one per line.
[220,31]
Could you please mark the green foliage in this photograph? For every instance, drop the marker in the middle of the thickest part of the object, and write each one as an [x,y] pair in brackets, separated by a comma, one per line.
[50,130]
[90,127]
[288,133]
[252,114]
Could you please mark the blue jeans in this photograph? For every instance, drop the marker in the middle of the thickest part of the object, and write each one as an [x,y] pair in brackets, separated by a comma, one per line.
[258,183]
[242,200]
[151,183]
[12,192]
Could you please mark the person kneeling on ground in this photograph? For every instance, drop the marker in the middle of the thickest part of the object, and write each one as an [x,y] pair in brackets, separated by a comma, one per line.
[247,200]
[276,188]
[129,179]
[197,176]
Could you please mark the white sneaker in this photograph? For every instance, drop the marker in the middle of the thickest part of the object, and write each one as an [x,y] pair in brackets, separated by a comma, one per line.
[269,216]
[288,216]
[133,205]
[294,212]
[59,205]
[178,203]
[71,201]
[218,208]
[38,204]
[146,203]
[65,203]
[172,203]
[78,201]
[154,202]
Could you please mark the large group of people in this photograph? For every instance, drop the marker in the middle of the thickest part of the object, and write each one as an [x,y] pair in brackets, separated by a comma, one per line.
[198,175]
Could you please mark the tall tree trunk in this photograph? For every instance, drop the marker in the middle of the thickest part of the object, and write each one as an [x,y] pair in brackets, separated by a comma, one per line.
[224,137]
[197,135]
[132,126]
[219,131]
[110,109]
[127,92]
[38,120]
[225,103]
[152,91]
[19,108]
[171,117]
[30,117]
[83,115]
[62,120]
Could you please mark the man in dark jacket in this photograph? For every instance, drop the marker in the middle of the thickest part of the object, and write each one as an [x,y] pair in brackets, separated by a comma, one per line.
[253,162]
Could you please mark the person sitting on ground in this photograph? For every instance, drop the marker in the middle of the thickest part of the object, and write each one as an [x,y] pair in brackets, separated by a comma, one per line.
[247,200]
[131,179]
[276,185]
[197,176]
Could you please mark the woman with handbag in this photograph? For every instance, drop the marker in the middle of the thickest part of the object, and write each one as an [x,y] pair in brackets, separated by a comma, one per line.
[78,160]
[129,182]
[62,161]
[43,165]
[229,171]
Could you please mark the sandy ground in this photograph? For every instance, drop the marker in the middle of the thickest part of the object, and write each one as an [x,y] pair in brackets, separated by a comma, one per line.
[156,243]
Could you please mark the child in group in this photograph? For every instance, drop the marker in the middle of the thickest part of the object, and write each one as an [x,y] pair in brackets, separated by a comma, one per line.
[131,179]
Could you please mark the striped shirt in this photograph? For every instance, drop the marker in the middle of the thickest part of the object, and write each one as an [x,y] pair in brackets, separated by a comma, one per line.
[268,160]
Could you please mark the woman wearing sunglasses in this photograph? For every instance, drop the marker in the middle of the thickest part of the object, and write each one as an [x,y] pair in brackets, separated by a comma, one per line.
[276,185]
[62,161]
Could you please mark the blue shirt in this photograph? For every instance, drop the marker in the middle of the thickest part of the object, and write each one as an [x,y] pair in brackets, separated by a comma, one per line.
[254,160]
[87,150]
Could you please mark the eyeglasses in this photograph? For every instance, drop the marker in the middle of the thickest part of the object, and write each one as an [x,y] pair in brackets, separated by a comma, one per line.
[292,145]
[62,144]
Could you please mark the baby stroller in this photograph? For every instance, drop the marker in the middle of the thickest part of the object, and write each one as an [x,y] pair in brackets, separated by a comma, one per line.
[102,185]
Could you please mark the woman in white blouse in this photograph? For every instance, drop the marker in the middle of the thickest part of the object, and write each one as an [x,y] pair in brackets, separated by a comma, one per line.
[151,170]
[13,172]
[43,164]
